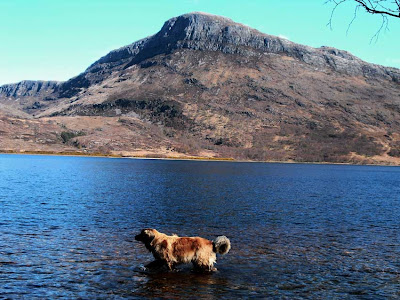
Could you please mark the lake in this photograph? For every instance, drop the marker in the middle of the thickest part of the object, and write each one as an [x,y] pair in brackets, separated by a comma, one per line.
[67,227]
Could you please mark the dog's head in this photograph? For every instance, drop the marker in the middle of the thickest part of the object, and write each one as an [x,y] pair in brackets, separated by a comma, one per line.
[146,236]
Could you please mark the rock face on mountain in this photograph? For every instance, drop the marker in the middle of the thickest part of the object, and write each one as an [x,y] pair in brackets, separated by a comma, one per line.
[207,86]
[199,31]
[28,95]
[28,88]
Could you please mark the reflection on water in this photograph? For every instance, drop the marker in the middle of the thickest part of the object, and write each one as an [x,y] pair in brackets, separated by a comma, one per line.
[297,231]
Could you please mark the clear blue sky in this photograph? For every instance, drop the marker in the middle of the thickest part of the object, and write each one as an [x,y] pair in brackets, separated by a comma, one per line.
[58,39]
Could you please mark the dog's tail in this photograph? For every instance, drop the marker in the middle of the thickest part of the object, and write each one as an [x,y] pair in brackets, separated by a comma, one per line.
[221,245]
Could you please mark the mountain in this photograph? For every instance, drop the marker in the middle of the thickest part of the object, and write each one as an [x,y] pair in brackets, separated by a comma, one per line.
[209,87]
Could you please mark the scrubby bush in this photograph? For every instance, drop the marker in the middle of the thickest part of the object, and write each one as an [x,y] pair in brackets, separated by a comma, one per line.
[67,135]
[394,152]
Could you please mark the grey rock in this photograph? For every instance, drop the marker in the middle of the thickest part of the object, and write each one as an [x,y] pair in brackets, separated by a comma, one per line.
[28,88]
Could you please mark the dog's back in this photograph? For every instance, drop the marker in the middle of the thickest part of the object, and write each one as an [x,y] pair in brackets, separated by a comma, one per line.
[190,249]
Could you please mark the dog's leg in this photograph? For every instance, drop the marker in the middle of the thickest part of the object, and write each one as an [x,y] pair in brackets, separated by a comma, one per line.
[155,265]
[205,263]
[203,267]
[171,265]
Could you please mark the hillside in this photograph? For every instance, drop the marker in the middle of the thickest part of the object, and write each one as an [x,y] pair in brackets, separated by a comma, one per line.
[207,86]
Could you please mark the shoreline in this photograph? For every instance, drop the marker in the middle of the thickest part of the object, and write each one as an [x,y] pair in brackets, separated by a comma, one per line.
[188,158]
[98,154]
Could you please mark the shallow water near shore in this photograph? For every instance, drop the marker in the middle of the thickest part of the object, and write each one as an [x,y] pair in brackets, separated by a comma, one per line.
[67,227]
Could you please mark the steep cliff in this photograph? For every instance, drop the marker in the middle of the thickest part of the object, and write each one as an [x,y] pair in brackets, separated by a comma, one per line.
[28,95]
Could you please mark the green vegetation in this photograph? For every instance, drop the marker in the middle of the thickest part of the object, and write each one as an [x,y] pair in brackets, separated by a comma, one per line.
[67,135]
[394,152]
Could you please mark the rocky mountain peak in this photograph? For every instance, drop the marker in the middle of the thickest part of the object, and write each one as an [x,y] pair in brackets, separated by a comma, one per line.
[206,32]
[195,25]
[203,31]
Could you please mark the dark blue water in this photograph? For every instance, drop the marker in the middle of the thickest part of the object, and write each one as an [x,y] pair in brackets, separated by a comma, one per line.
[297,231]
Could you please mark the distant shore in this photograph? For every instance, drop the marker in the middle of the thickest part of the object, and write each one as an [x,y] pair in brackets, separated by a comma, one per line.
[97,154]
[193,158]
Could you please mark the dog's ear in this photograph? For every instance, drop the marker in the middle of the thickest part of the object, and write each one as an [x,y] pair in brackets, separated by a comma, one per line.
[149,234]
[146,235]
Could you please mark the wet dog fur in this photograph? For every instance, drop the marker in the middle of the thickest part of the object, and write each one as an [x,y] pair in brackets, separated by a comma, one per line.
[172,250]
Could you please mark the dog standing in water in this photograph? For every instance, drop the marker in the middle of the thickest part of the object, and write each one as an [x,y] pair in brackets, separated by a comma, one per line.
[172,250]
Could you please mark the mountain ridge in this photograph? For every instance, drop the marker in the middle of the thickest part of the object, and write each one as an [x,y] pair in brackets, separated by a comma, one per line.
[192,22]
[200,31]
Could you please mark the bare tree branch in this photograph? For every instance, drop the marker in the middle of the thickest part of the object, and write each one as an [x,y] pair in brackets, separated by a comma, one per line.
[372,8]
[384,8]
[385,23]
[337,3]
[352,20]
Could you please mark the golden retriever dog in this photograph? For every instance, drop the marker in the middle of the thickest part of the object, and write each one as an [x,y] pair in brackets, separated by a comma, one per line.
[172,250]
